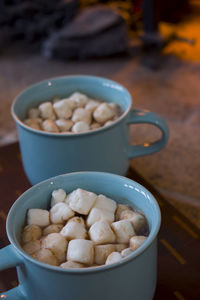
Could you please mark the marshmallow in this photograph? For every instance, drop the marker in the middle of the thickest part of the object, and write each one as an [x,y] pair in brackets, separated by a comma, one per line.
[80,127]
[31,233]
[33,113]
[79,98]
[123,230]
[81,201]
[81,251]
[52,229]
[50,126]
[101,233]
[95,125]
[97,214]
[120,208]
[137,219]
[115,107]
[32,246]
[46,256]
[33,123]
[74,229]
[92,105]
[64,125]
[60,213]
[103,113]
[62,109]
[126,252]
[81,114]
[120,247]
[113,258]
[137,241]
[105,203]
[71,265]
[101,253]
[47,111]
[57,244]
[38,217]
[58,196]
[108,123]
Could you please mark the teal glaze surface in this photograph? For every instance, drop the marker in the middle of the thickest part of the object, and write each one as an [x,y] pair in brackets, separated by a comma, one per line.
[132,278]
[106,149]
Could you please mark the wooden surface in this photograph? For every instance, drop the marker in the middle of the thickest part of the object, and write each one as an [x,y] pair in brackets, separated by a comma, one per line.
[178,240]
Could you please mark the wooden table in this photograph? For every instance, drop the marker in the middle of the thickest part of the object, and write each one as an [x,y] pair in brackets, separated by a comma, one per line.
[178,240]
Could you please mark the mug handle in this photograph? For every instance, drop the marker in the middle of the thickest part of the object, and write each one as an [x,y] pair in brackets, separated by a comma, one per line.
[144,116]
[8,259]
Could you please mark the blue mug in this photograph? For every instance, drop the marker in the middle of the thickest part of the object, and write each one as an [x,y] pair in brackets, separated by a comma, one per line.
[134,277]
[107,149]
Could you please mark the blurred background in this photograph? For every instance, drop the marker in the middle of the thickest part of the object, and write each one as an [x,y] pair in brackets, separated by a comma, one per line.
[152,47]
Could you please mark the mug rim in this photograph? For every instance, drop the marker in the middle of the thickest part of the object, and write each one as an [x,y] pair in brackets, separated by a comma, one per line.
[89,132]
[150,239]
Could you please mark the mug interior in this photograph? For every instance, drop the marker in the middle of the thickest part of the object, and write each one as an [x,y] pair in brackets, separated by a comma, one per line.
[95,87]
[118,188]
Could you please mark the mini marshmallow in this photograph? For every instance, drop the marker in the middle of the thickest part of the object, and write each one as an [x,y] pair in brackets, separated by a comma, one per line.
[58,196]
[137,241]
[33,123]
[50,126]
[137,219]
[101,253]
[81,201]
[62,109]
[108,123]
[32,246]
[46,256]
[105,203]
[81,251]
[53,228]
[60,213]
[103,113]
[80,127]
[64,125]
[47,111]
[113,258]
[120,247]
[123,230]
[97,214]
[79,98]
[81,114]
[71,265]
[92,105]
[101,233]
[126,252]
[115,107]
[95,125]
[74,229]
[57,244]
[120,208]
[33,113]
[38,217]
[31,233]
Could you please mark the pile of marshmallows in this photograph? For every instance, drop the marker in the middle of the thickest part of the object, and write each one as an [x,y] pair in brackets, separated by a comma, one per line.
[82,229]
[75,114]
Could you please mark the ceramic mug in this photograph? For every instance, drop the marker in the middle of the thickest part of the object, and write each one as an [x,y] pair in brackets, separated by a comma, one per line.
[132,278]
[107,149]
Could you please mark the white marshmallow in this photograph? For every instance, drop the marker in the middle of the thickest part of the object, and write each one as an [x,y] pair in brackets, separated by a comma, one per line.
[47,111]
[103,113]
[101,253]
[79,98]
[97,214]
[137,241]
[126,252]
[52,229]
[101,233]
[38,217]
[92,105]
[115,107]
[95,125]
[105,203]
[31,233]
[80,127]
[57,244]
[62,109]
[120,247]
[123,230]
[137,219]
[120,208]
[81,201]
[32,246]
[108,123]
[64,125]
[58,196]
[46,256]
[50,126]
[60,213]
[81,251]
[113,258]
[81,114]
[33,113]
[71,265]
[33,123]
[74,229]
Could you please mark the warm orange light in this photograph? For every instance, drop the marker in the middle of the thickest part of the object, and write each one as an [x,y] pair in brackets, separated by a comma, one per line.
[146,144]
[3,296]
